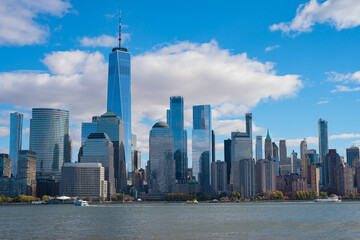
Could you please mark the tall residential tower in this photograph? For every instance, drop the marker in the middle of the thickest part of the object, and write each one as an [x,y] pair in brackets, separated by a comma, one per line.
[16,125]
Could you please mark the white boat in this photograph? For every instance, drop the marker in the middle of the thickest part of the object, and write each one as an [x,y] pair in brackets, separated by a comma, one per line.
[81,203]
[329,199]
[38,202]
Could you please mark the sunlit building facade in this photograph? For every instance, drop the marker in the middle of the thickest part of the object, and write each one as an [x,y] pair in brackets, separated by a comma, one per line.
[16,126]
[119,93]
[161,159]
[323,146]
[259,148]
[202,146]
[175,119]
[49,139]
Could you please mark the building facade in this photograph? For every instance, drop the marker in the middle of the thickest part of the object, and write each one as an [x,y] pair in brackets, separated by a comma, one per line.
[258,148]
[244,180]
[268,147]
[98,148]
[332,161]
[227,158]
[303,148]
[202,146]
[344,180]
[161,159]
[16,126]
[88,127]
[119,93]
[293,162]
[175,119]
[112,125]
[219,177]
[282,152]
[323,146]
[352,154]
[84,179]
[265,176]
[49,139]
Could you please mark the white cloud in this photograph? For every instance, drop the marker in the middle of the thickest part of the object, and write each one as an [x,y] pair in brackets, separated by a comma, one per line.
[344,77]
[225,127]
[18,24]
[342,14]
[322,102]
[270,48]
[202,73]
[341,88]
[104,40]
[296,142]
[345,136]
[4,149]
[4,131]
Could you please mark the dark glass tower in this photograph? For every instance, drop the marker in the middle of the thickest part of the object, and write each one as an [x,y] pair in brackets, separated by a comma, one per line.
[175,119]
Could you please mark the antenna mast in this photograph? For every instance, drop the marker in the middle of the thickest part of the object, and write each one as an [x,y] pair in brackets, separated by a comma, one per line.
[120,31]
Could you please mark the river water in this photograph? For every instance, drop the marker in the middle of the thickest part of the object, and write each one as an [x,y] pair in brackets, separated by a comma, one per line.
[269,220]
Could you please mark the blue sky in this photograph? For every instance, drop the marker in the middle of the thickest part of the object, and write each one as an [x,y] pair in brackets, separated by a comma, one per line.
[287,62]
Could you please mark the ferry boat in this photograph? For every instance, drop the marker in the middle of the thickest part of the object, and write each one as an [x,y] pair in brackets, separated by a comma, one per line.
[38,202]
[329,199]
[81,203]
[192,202]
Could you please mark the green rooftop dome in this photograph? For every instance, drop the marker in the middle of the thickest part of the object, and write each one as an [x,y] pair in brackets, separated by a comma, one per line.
[109,114]
[161,125]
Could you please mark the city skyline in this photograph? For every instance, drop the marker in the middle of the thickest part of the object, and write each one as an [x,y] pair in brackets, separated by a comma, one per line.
[315,91]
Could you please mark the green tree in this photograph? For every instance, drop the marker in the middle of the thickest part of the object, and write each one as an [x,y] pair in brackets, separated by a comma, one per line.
[323,195]
[351,195]
[235,196]
[45,198]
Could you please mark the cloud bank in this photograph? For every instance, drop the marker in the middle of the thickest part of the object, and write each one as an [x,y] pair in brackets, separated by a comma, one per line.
[18,25]
[103,40]
[341,14]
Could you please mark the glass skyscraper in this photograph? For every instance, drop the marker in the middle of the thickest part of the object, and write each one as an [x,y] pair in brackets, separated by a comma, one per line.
[175,119]
[49,139]
[323,144]
[88,127]
[119,93]
[16,126]
[161,159]
[258,148]
[202,145]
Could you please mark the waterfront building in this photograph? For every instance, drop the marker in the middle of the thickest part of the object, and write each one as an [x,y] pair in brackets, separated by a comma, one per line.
[283,152]
[84,179]
[293,162]
[136,160]
[16,127]
[344,180]
[202,146]
[175,119]
[89,127]
[98,148]
[49,139]
[26,174]
[310,158]
[227,158]
[352,154]
[323,145]
[268,147]
[112,125]
[219,177]
[332,160]
[265,176]
[258,148]
[213,146]
[119,92]
[5,165]
[303,148]
[313,178]
[244,177]
[161,159]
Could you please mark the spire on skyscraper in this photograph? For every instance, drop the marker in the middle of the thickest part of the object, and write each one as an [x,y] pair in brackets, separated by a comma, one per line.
[120,30]
[268,135]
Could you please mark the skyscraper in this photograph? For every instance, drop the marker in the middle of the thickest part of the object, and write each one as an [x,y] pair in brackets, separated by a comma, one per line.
[331,161]
[283,152]
[213,146]
[161,159]
[227,158]
[241,149]
[275,150]
[16,125]
[175,119]
[98,148]
[303,148]
[265,176]
[352,154]
[202,146]
[218,177]
[268,147]
[112,125]
[88,127]
[275,158]
[323,146]
[49,139]
[293,162]
[5,165]
[119,91]
[259,148]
